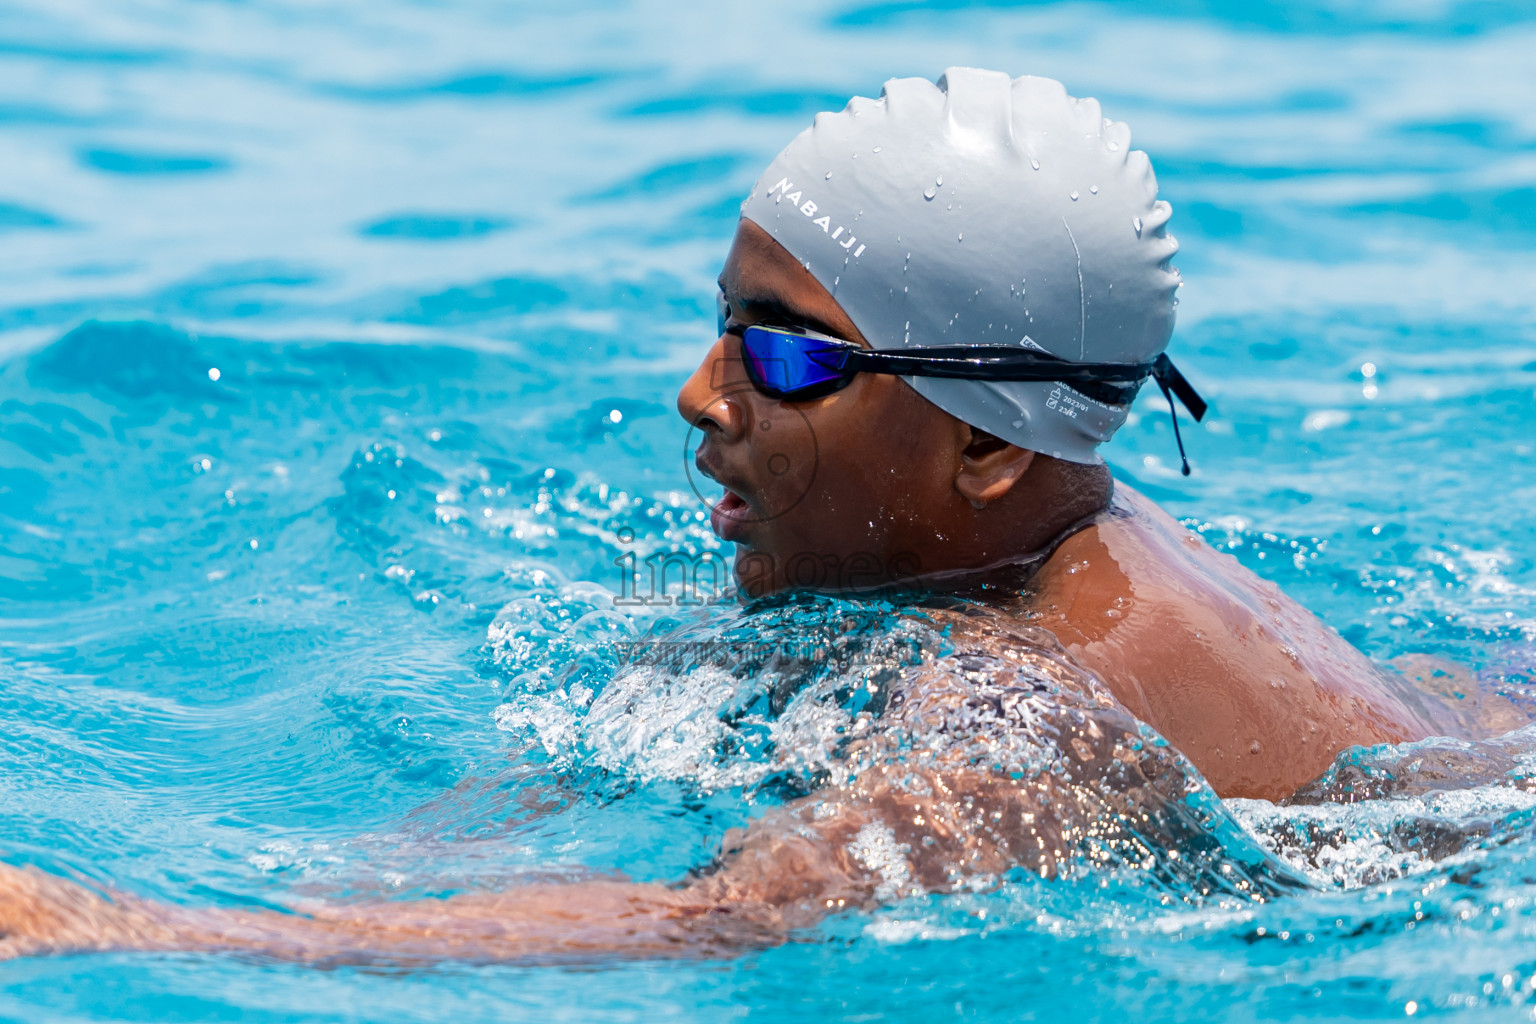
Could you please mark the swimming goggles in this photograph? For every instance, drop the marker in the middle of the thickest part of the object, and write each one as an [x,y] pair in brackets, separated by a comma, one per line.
[797,365]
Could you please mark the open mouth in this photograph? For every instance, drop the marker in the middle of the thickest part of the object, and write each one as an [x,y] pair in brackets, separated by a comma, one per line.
[729,516]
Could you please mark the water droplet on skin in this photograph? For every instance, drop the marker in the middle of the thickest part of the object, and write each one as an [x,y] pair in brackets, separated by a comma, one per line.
[1137,224]
[1074,197]
[929,193]
[1034,163]
[1094,189]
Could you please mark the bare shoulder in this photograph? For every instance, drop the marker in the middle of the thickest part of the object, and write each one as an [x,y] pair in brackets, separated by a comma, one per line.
[1250,685]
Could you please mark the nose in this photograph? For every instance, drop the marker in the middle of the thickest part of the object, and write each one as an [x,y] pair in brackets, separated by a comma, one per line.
[704,403]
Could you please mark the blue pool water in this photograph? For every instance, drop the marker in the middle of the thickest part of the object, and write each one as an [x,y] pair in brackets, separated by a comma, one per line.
[337,353]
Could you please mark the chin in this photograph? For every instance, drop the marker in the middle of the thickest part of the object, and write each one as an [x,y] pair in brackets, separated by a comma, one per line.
[760,573]
[757,574]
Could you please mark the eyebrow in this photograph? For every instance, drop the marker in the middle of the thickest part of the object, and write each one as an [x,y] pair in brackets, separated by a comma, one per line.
[773,306]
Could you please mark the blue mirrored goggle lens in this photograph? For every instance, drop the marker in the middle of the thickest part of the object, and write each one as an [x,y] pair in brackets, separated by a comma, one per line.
[783,363]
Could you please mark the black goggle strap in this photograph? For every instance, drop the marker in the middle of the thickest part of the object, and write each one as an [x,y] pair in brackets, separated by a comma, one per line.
[1172,383]
[976,363]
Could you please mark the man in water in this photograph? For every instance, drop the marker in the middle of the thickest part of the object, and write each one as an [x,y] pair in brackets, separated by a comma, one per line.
[1000,219]
[936,307]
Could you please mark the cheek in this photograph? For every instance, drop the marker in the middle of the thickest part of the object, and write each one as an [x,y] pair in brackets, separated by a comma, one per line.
[884,454]
[785,457]
[891,444]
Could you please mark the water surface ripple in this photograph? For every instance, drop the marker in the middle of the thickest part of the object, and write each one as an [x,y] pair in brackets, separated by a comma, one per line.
[337,353]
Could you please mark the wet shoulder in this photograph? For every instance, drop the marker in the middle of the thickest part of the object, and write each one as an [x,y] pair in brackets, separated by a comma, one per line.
[1249,684]
[1131,554]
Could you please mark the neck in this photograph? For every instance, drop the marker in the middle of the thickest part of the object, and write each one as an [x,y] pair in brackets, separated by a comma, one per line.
[998,548]
[1049,502]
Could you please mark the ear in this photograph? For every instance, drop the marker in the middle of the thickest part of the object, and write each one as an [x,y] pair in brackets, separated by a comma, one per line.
[989,467]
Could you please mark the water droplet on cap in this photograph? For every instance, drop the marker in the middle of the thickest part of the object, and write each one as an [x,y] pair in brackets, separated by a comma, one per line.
[1114,147]
[1093,189]
[939,180]
[1074,197]
[929,193]
[1137,225]
[960,237]
[1034,163]
[1018,423]
[877,149]
[829,174]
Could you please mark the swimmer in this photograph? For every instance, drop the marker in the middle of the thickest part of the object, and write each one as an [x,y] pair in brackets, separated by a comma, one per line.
[937,305]
[1007,216]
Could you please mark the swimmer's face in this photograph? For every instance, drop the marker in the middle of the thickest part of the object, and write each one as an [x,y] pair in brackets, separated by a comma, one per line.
[844,492]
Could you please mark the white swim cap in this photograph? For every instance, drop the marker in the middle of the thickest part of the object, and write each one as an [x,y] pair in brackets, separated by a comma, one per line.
[984,210]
